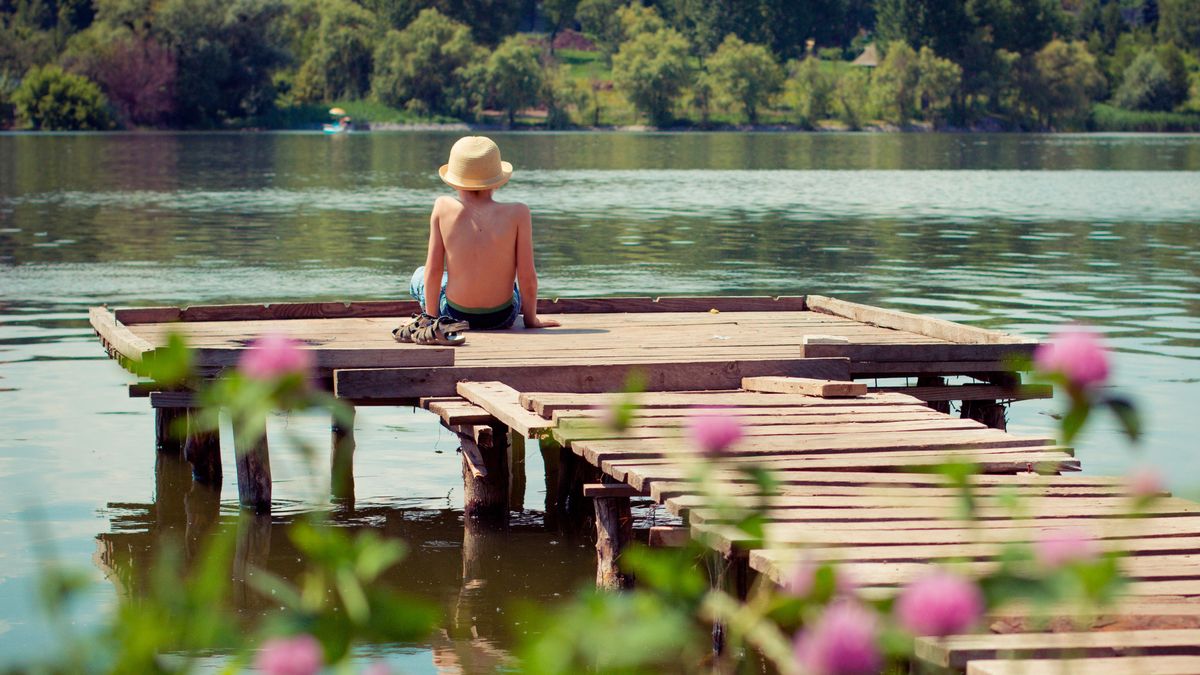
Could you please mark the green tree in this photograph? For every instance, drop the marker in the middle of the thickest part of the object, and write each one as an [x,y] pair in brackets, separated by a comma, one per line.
[225,53]
[560,14]
[851,97]
[598,18]
[560,93]
[338,64]
[744,74]
[50,99]
[894,90]
[1179,22]
[1145,86]
[1171,58]
[938,80]
[636,19]
[425,66]
[514,75]
[810,91]
[652,70]
[1058,83]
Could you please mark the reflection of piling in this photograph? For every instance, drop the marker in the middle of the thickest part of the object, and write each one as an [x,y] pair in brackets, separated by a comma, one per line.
[252,550]
[253,462]
[172,478]
[341,460]
[202,505]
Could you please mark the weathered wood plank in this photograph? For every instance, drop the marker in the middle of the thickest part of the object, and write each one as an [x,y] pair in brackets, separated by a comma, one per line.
[568,434]
[1119,665]
[502,402]
[1106,485]
[973,392]
[888,318]
[925,352]
[804,385]
[331,358]
[412,383]
[546,403]
[957,650]
[460,412]
[116,335]
[601,490]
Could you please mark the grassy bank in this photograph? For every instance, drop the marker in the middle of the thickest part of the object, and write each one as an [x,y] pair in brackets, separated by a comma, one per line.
[1110,118]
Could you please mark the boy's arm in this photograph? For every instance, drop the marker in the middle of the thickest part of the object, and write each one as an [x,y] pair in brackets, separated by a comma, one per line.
[435,264]
[526,274]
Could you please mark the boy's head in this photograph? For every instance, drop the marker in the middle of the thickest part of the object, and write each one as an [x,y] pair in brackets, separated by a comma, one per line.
[475,165]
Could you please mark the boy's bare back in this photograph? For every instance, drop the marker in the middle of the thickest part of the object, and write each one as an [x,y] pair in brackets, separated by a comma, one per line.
[481,238]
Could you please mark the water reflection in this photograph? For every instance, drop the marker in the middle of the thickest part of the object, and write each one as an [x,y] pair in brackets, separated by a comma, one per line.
[478,576]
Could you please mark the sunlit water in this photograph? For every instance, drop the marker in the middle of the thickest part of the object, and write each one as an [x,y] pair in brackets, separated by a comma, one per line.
[1020,233]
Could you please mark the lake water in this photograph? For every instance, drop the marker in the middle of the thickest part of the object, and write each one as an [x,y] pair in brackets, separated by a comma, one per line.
[1014,232]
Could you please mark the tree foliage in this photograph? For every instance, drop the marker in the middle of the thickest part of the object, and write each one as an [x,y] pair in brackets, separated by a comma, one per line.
[514,75]
[50,99]
[652,70]
[1058,83]
[745,75]
[339,62]
[810,91]
[1146,85]
[894,90]
[423,67]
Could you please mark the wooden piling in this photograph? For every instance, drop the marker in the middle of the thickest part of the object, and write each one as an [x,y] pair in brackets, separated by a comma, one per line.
[253,463]
[485,475]
[341,460]
[614,531]
[516,471]
[934,381]
[551,457]
[168,438]
[991,413]
[202,448]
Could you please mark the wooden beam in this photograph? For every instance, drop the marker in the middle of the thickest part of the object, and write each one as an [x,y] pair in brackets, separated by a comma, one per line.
[668,536]
[331,358]
[412,383]
[804,385]
[601,490]
[1116,665]
[116,335]
[503,402]
[918,352]
[957,650]
[973,392]
[914,323]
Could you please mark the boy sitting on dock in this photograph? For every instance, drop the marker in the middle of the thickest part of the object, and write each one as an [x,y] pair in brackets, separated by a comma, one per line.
[478,247]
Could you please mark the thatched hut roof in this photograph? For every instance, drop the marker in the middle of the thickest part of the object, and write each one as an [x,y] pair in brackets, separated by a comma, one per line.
[869,58]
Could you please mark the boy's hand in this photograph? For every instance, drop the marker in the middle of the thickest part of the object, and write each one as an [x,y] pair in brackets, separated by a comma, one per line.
[535,322]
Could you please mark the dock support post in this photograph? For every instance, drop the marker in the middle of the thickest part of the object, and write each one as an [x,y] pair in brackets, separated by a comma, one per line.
[731,573]
[614,531]
[202,448]
[934,381]
[167,432]
[516,471]
[253,463]
[485,488]
[341,460]
[990,413]
[551,460]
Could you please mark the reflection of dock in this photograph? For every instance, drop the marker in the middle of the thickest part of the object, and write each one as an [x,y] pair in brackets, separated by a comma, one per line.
[854,465]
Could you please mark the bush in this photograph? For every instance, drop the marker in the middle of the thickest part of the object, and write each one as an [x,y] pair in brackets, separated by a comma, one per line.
[429,67]
[851,97]
[937,81]
[894,90]
[744,74]
[50,99]
[138,75]
[1058,83]
[652,70]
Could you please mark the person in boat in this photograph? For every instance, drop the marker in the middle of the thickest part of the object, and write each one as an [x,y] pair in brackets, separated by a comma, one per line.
[477,248]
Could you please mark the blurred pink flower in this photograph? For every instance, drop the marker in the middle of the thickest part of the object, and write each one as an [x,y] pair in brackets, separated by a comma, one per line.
[300,655]
[713,432]
[1078,354]
[842,642]
[940,603]
[1146,482]
[274,355]
[1061,546]
[804,577]
[377,668]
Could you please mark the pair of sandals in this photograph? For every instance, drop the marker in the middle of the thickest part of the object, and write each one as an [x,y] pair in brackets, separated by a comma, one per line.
[428,330]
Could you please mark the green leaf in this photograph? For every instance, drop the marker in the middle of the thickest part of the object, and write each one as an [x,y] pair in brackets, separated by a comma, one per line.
[1073,421]
[1127,415]
[168,365]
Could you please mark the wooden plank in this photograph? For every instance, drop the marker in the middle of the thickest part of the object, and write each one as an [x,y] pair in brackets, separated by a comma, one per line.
[667,536]
[461,412]
[331,358]
[116,335]
[888,318]
[1110,485]
[874,369]
[569,434]
[546,403]
[804,385]
[957,650]
[783,415]
[667,488]
[973,392]
[604,490]
[923,352]
[1120,665]
[899,504]
[172,399]
[502,401]
[411,383]
[394,308]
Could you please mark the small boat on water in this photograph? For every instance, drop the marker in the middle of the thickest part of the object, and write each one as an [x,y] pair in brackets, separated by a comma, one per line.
[341,126]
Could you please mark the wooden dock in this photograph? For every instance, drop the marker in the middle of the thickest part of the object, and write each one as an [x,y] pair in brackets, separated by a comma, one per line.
[854,457]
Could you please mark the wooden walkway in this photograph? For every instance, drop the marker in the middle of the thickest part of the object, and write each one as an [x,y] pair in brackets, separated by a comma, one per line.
[856,489]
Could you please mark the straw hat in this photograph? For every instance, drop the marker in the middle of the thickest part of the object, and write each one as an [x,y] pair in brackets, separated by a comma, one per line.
[475,165]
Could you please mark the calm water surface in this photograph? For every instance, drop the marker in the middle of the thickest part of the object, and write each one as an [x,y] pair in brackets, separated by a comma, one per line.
[1019,233]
